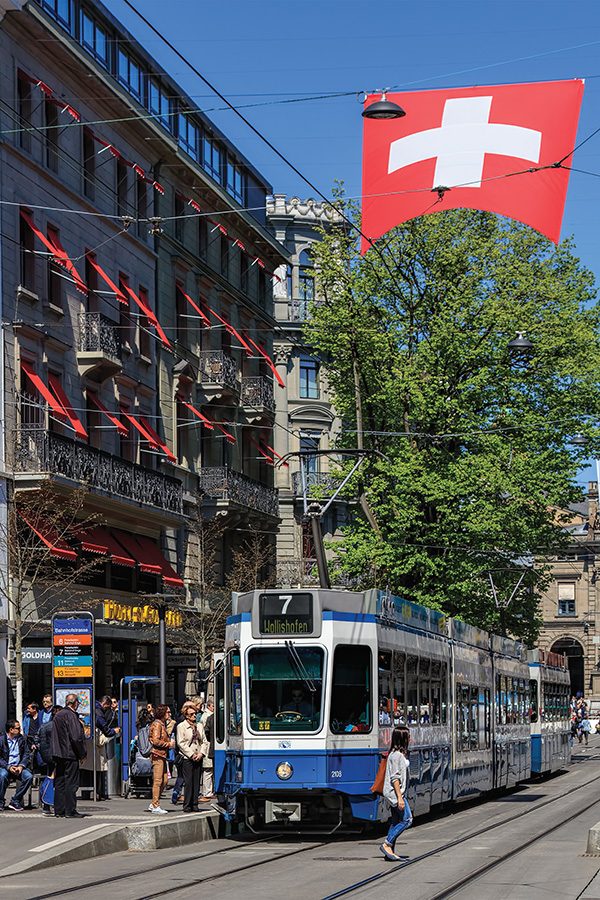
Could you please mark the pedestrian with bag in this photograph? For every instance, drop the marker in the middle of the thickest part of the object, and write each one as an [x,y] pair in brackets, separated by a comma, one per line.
[161,743]
[191,742]
[45,741]
[394,791]
[68,752]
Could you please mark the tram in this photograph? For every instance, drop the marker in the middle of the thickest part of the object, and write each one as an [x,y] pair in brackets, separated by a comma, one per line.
[312,682]
[550,723]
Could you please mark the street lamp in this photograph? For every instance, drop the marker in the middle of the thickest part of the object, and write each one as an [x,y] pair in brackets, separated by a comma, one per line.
[383,109]
[520,344]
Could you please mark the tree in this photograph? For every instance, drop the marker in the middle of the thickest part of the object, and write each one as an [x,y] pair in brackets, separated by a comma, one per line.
[38,582]
[477,450]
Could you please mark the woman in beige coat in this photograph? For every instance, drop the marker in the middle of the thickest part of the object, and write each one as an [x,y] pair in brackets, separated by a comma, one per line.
[193,746]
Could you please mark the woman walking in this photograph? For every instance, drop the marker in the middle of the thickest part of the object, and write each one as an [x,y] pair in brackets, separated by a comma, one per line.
[191,742]
[160,743]
[394,790]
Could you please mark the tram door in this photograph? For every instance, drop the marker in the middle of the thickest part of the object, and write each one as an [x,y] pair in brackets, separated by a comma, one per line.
[220,681]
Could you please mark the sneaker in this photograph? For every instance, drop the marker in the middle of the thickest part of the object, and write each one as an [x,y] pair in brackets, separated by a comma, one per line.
[16,806]
[159,811]
[150,808]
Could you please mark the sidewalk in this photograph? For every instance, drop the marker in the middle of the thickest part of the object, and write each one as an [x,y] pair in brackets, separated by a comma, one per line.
[32,840]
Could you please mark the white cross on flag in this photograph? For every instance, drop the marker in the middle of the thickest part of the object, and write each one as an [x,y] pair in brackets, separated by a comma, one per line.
[474,148]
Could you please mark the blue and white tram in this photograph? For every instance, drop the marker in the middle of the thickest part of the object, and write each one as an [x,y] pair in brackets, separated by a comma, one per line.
[550,690]
[312,683]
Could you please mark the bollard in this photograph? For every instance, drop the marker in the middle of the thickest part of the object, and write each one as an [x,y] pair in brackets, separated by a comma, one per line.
[593,843]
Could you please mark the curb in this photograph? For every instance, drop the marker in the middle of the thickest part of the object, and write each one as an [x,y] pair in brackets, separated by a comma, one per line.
[138,837]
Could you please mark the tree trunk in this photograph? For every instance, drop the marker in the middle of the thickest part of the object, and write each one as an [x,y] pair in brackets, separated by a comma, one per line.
[19,666]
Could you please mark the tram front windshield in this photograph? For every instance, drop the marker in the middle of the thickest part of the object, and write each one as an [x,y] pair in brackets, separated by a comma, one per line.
[285,687]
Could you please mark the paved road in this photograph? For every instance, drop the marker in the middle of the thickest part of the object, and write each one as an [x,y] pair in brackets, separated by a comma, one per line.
[312,869]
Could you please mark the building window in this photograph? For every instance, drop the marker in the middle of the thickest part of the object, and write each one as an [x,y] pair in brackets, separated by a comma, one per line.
[61,10]
[127,441]
[94,38]
[124,313]
[202,238]
[24,111]
[309,441]
[235,181]
[129,74]
[55,279]
[289,281]
[244,271]
[145,341]
[224,256]
[179,222]
[27,255]
[306,280]
[159,104]
[263,288]
[122,187]
[211,158]
[309,378]
[89,164]
[141,202]
[188,136]
[91,279]
[51,133]
[566,599]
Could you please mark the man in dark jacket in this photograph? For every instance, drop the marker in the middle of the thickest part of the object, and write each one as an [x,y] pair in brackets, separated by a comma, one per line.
[106,724]
[68,750]
[45,751]
[15,760]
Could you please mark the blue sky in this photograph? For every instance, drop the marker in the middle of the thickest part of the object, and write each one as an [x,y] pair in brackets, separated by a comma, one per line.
[277,49]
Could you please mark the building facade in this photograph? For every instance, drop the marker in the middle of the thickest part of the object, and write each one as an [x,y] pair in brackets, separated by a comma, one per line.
[570,607]
[137,322]
[305,415]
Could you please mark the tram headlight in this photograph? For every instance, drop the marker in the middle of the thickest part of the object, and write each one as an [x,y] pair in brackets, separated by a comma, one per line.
[284,771]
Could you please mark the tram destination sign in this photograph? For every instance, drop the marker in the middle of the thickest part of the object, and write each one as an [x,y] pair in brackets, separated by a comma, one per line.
[285,614]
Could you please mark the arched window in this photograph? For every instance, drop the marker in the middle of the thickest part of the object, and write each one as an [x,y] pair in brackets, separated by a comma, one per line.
[306,277]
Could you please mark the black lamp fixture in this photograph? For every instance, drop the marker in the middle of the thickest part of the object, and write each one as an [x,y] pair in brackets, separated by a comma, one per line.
[383,109]
[579,440]
[520,344]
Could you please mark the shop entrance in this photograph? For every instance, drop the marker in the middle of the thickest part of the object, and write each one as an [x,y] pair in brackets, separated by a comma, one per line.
[573,650]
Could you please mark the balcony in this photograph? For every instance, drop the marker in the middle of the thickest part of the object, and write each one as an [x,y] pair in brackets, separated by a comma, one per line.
[318,484]
[299,309]
[36,451]
[258,399]
[219,375]
[99,350]
[227,487]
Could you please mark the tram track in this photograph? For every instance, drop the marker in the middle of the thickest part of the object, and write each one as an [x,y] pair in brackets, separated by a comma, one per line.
[127,878]
[452,889]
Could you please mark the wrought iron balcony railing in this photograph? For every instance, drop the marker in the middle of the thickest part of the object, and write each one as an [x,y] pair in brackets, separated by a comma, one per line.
[217,368]
[299,309]
[38,451]
[97,334]
[223,484]
[258,392]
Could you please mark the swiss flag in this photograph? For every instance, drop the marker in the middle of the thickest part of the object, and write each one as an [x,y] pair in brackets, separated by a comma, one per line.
[467,141]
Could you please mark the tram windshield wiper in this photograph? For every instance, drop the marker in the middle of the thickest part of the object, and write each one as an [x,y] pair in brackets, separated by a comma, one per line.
[300,667]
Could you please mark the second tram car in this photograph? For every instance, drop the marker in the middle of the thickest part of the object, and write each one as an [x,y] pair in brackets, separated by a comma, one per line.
[312,682]
[550,721]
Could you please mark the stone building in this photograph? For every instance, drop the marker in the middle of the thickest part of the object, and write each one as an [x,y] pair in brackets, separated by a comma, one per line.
[305,416]
[571,607]
[137,318]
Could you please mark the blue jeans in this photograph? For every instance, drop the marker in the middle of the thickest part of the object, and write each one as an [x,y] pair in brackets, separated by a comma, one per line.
[25,778]
[400,822]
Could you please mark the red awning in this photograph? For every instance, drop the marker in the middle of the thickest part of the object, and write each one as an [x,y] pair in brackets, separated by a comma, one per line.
[100,540]
[48,535]
[199,415]
[276,455]
[58,252]
[149,313]
[263,453]
[195,306]
[57,401]
[148,433]
[228,435]
[148,557]
[114,419]
[270,362]
[64,401]
[229,327]
[116,290]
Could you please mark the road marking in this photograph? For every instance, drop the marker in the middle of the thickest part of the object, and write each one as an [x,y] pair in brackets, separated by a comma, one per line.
[63,840]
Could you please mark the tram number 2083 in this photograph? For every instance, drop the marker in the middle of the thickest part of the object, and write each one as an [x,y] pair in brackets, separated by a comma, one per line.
[335,773]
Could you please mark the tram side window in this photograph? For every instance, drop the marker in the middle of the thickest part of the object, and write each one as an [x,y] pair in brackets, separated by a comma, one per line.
[399,707]
[424,710]
[486,714]
[384,669]
[235,694]
[501,700]
[444,672]
[351,690]
[533,701]
[474,717]
[462,696]
[473,731]
[436,692]
[412,693]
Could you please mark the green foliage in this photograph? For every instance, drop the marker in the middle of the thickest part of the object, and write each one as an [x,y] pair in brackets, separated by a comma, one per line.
[477,447]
